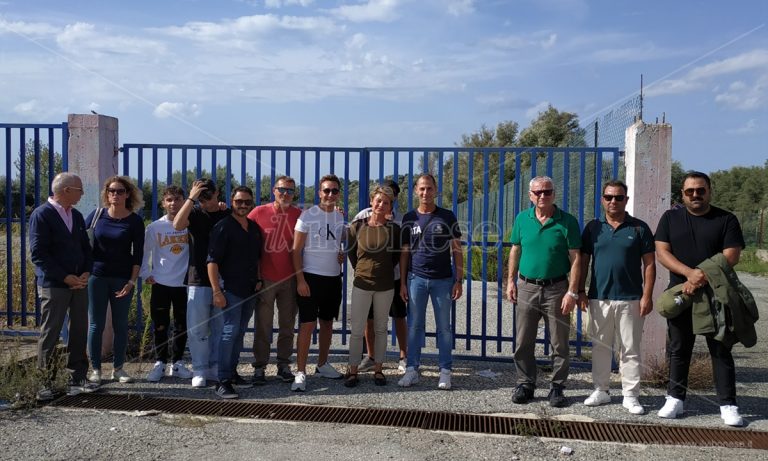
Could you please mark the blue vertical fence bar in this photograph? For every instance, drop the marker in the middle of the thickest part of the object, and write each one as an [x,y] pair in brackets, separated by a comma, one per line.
[500,253]
[23,222]
[484,277]
[8,231]
[470,238]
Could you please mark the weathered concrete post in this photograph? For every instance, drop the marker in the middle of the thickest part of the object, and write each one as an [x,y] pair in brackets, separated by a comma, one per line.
[93,148]
[648,160]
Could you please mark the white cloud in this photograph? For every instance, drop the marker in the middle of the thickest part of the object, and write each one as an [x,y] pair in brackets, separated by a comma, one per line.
[94,106]
[460,7]
[35,110]
[756,59]
[281,3]
[249,26]
[27,29]
[83,38]
[549,42]
[176,109]
[742,96]
[533,112]
[519,42]
[672,87]
[357,41]
[749,127]
[370,11]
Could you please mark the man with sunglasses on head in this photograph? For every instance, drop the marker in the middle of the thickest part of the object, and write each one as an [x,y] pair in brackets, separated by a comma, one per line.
[545,249]
[621,250]
[685,237]
[277,221]
[317,258]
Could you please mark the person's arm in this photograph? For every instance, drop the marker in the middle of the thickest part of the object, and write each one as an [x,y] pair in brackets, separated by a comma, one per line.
[297,256]
[146,262]
[649,279]
[216,250]
[514,262]
[181,220]
[458,262]
[39,250]
[137,253]
[732,255]
[583,300]
[696,278]
[574,278]
[352,245]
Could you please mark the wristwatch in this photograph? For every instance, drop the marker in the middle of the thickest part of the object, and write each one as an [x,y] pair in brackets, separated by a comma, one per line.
[573,295]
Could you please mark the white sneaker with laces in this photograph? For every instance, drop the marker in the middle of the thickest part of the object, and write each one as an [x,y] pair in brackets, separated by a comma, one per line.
[633,405]
[597,398]
[445,379]
[299,382]
[731,416]
[672,409]
[401,366]
[199,381]
[121,376]
[410,377]
[179,370]
[327,371]
[157,372]
[95,376]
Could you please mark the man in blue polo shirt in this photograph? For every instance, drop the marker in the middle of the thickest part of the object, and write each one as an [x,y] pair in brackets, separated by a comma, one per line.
[545,248]
[621,248]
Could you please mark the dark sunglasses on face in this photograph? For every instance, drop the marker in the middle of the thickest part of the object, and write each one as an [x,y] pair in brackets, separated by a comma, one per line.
[333,191]
[285,190]
[116,191]
[695,190]
[246,202]
[544,192]
[618,198]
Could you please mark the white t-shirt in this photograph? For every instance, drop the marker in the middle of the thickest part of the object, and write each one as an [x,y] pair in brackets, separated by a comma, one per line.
[396,218]
[325,232]
[166,253]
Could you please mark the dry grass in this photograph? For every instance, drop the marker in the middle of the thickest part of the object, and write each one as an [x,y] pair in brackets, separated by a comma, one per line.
[699,375]
[20,379]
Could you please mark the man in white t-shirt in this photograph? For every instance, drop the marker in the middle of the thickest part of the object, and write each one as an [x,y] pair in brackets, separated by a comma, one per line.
[317,258]
[165,264]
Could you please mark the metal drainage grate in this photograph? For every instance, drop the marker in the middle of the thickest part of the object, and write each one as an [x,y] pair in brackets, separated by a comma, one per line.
[430,420]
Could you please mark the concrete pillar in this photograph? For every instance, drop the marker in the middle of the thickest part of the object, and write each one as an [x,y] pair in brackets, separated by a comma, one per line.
[648,161]
[93,147]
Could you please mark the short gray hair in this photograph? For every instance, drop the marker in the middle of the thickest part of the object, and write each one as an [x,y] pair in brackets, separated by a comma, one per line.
[62,180]
[541,179]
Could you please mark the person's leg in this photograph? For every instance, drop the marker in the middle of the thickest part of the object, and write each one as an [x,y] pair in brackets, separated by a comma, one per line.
[53,309]
[77,363]
[247,307]
[418,294]
[398,312]
[98,297]
[179,302]
[307,323]
[286,321]
[120,307]
[358,316]
[262,324]
[559,331]
[382,301]
[440,292]
[629,323]
[601,331]
[370,332]
[198,308]
[229,334]
[527,316]
[724,372]
[328,297]
[215,327]
[160,312]
[680,341]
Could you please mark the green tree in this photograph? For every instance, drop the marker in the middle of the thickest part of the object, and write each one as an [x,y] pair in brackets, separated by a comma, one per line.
[553,128]
[678,173]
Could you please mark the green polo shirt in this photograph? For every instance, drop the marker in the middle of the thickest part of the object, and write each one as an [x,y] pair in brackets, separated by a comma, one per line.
[616,257]
[544,248]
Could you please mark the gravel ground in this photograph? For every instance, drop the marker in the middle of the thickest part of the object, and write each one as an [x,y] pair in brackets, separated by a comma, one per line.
[100,435]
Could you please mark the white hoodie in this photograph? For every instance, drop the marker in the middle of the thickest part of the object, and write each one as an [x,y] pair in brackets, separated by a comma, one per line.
[166,253]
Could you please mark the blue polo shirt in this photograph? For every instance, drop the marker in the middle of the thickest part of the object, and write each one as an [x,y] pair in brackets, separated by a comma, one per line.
[237,252]
[429,237]
[617,265]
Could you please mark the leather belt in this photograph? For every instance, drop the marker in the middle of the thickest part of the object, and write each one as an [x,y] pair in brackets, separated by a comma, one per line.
[542,282]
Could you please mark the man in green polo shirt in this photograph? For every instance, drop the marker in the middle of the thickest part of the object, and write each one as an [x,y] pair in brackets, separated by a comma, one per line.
[621,248]
[545,248]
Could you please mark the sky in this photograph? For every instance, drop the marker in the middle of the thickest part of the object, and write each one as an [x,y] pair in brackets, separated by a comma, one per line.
[356,73]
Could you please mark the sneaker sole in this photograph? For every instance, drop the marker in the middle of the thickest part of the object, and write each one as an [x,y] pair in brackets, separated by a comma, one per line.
[298,389]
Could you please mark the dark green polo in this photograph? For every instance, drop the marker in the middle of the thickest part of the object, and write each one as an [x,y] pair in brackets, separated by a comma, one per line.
[544,248]
[617,262]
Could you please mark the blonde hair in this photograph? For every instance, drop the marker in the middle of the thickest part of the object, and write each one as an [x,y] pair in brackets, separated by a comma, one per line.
[384,190]
[133,200]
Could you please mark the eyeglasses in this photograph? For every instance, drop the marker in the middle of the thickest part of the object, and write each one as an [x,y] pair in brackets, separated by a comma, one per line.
[246,202]
[618,198]
[695,190]
[285,190]
[544,192]
[80,189]
[116,191]
[333,191]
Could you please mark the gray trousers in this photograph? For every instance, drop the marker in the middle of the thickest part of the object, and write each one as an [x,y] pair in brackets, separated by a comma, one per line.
[54,305]
[284,293]
[533,303]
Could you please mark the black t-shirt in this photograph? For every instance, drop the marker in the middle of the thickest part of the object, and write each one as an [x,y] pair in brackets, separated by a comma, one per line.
[200,225]
[695,238]
[237,252]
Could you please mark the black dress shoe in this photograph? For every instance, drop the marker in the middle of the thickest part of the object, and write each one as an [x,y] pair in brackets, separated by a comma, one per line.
[557,398]
[523,394]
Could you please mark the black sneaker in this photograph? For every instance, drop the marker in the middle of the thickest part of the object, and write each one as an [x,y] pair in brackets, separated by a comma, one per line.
[258,377]
[286,374]
[523,394]
[556,397]
[240,382]
[225,390]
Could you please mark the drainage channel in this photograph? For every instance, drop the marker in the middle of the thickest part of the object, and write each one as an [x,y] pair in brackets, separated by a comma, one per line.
[430,420]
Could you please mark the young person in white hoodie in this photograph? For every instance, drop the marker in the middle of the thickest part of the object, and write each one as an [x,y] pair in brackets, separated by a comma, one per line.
[165,264]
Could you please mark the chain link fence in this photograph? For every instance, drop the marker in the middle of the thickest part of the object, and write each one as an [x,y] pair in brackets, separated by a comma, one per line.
[607,130]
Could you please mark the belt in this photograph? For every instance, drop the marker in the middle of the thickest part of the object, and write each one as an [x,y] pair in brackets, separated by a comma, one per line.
[542,282]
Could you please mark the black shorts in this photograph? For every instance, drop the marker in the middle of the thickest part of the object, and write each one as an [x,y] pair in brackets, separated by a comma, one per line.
[324,298]
[398,309]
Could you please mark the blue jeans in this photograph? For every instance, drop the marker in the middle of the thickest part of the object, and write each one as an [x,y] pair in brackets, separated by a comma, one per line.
[101,291]
[204,324]
[236,316]
[420,290]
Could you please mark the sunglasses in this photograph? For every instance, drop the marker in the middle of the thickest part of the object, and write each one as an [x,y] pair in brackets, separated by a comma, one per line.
[79,189]
[116,191]
[618,198]
[544,192]
[285,190]
[333,191]
[695,190]
[246,202]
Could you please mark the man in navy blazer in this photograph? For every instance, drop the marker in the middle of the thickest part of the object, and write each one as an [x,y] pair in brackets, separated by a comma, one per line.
[61,253]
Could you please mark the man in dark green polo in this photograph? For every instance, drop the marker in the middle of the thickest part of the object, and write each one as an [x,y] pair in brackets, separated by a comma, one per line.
[545,248]
[621,248]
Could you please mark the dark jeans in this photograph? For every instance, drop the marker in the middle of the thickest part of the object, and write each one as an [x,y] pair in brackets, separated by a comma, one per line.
[237,313]
[101,294]
[160,302]
[680,341]
[54,305]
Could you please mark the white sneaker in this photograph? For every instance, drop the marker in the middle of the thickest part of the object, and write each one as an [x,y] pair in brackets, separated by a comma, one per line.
[672,409]
[401,366]
[299,382]
[198,381]
[633,405]
[730,415]
[366,364]
[157,372]
[445,379]
[95,376]
[410,377]
[121,376]
[597,398]
[327,371]
[179,370]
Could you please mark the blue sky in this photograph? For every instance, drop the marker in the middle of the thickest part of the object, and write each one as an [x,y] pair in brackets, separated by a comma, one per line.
[388,72]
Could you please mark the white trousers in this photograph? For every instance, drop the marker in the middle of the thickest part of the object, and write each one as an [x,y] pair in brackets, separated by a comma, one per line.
[618,321]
